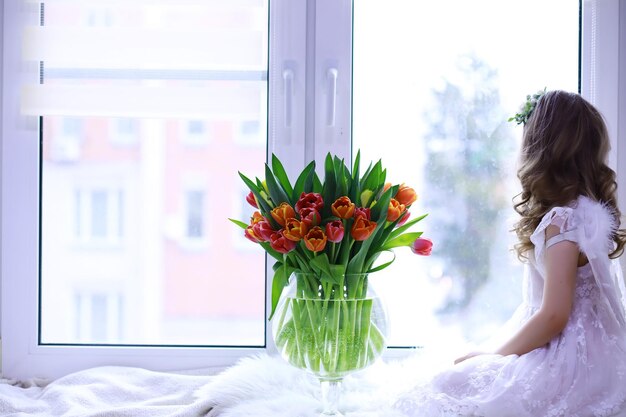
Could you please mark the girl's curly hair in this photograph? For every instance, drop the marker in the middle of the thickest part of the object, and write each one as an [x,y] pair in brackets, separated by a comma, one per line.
[564,151]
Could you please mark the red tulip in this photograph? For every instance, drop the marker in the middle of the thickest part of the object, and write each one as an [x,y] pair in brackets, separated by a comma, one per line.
[395,210]
[343,208]
[282,213]
[310,200]
[263,230]
[362,212]
[315,239]
[404,218]
[295,230]
[406,195]
[362,228]
[280,243]
[251,200]
[422,246]
[310,217]
[334,231]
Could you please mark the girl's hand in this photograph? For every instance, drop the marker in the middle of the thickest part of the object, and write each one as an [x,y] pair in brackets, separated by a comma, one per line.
[469,355]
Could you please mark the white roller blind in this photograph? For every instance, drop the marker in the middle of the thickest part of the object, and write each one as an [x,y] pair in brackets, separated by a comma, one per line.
[147,59]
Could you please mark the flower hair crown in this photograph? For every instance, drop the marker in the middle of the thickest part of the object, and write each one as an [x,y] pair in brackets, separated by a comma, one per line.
[527,108]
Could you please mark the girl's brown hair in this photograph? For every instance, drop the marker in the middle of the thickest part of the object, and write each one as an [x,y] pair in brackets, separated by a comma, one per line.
[564,152]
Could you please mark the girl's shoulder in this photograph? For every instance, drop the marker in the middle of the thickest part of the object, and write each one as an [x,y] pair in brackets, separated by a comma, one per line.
[590,223]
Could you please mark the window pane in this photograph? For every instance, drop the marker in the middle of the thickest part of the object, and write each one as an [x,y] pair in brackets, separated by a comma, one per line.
[136,243]
[434,84]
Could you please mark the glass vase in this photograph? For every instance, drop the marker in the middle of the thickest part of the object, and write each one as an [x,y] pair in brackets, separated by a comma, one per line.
[330,329]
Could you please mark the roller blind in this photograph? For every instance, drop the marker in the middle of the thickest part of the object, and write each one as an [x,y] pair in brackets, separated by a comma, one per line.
[147,58]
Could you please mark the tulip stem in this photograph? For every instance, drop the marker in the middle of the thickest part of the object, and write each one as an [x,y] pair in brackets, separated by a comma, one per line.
[333,252]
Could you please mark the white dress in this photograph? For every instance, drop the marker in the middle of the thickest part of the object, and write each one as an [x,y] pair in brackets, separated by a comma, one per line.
[579,373]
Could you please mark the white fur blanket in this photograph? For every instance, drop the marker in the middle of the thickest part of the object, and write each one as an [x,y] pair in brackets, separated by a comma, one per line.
[261,386]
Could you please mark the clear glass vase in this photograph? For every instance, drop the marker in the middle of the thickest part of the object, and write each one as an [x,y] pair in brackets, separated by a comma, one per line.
[330,329]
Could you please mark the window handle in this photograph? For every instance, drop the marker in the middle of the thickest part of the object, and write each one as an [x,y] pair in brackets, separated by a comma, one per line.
[288,90]
[331,79]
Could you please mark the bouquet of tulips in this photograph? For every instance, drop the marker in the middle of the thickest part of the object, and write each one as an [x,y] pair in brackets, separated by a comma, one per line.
[329,235]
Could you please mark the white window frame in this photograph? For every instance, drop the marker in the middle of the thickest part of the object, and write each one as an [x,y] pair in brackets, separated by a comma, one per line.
[309,115]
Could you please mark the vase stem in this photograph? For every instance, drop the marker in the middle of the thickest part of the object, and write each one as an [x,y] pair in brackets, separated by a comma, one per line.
[331,390]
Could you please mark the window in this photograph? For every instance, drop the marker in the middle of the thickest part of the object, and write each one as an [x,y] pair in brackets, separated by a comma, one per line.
[195,214]
[194,132]
[99,215]
[98,317]
[124,131]
[113,222]
[441,123]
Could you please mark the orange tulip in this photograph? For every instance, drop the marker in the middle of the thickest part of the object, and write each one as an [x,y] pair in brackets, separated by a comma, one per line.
[362,228]
[395,210]
[406,195]
[249,233]
[315,239]
[256,217]
[343,208]
[282,213]
[295,230]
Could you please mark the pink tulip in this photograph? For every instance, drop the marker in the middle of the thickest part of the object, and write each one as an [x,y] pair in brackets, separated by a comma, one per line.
[422,246]
[334,231]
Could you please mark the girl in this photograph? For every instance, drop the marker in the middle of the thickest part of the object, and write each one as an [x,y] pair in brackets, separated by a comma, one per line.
[567,353]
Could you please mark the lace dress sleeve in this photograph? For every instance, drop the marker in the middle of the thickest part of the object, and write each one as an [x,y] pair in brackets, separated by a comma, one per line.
[564,219]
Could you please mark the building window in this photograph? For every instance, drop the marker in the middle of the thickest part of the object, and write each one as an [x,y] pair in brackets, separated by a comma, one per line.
[99,215]
[195,132]
[66,146]
[124,131]
[98,317]
[195,214]
[250,133]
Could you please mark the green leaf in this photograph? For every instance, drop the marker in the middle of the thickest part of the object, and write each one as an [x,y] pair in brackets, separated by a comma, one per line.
[277,194]
[379,211]
[329,188]
[406,226]
[383,266]
[305,176]
[317,184]
[366,174]
[281,176]
[263,205]
[372,180]
[273,253]
[239,223]
[329,273]
[280,280]
[403,240]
